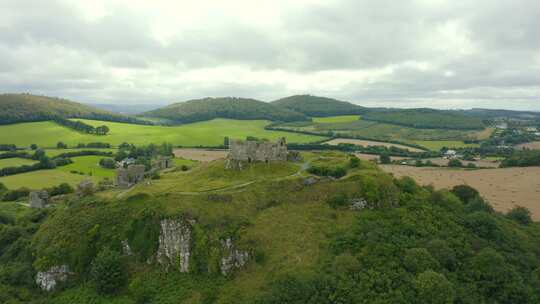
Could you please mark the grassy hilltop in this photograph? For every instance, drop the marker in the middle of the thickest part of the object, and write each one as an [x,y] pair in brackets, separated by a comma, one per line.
[410,244]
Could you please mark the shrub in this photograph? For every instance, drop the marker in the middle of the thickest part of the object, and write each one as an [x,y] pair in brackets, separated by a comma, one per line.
[433,287]
[108,271]
[63,188]
[520,214]
[455,163]
[385,159]
[33,146]
[108,163]
[354,162]
[16,194]
[417,260]
[465,193]
[337,201]
[184,168]
[61,145]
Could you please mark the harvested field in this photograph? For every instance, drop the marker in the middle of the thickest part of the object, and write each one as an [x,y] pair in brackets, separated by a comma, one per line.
[535,145]
[202,155]
[479,163]
[367,143]
[364,156]
[503,188]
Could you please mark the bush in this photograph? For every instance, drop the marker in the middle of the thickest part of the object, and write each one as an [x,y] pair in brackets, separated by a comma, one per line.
[433,287]
[33,146]
[108,271]
[337,201]
[520,214]
[63,188]
[354,162]
[455,163]
[16,194]
[385,159]
[107,163]
[61,145]
[184,168]
[337,172]
[417,260]
[465,193]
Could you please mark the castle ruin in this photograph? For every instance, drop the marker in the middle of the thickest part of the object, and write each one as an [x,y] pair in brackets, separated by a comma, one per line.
[126,178]
[255,151]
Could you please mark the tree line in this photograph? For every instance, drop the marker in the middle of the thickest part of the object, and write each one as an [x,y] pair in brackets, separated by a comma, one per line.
[80,126]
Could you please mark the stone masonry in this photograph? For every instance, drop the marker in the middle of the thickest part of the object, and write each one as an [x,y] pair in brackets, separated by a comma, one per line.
[256,151]
[38,199]
[126,178]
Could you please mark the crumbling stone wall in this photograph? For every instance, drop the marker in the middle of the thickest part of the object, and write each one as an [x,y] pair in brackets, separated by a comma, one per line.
[162,163]
[126,178]
[38,199]
[256,151]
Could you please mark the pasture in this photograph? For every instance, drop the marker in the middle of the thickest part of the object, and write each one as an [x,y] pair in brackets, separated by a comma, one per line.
[207,133]
[535,145]
[15,162]
[336,119]
[89,165]
[202,155]
[436,145]
[369,143]
[503,188]
[44,179]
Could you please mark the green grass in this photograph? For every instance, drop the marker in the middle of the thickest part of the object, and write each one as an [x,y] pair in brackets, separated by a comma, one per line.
[207,133]
[436,145]
[182,161]
[56,152]
[15,162]
[89,165]
[334,119]
[43,179]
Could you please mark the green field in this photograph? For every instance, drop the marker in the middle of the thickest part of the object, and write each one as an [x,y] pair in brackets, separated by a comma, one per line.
[15,162]
[56,152]
[208,133]
[436,145]
[89,165]
[43,179]
[333,119]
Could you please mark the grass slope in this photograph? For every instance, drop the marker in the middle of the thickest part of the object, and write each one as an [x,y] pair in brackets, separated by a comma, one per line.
[25,107]
[15,162]
[336,119]
[225,107]
[44,179]
[318,106]
[207,133]
[89,165]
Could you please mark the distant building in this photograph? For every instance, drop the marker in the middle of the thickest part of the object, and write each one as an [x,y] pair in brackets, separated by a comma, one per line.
[450,154]
[502,126]
[126,162]
[531,129]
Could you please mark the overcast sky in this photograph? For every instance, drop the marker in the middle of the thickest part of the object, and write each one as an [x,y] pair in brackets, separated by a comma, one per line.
[434,53]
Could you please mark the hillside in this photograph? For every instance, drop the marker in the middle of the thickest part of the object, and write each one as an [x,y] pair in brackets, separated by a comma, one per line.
[268,234]
[25,108]
[224,107]
[315,106]
[427,118]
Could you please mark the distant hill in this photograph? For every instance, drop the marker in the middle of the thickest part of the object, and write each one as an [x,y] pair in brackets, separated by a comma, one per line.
[26,107]
[495,113]
[427,118]
[127,109]
[224,107]
[319,106]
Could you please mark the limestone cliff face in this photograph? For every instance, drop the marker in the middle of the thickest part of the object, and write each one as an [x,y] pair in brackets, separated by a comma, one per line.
[232,258]
[47,280]
[175,244]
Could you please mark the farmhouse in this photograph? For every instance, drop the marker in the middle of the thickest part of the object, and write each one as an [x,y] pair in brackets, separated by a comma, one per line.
[256,151]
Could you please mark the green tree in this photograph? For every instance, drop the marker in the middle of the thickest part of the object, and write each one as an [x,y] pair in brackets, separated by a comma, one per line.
[108,271]
[418,260]
[33,146]
[385,159]
[61,145]
[520,214]
[433,288]
[354,162]
[455,163]
[465,193]
[226,141]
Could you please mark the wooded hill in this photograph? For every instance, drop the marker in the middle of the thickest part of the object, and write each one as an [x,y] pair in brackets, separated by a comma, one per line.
[224,107]
[426,118]
[319,106]
[26,107]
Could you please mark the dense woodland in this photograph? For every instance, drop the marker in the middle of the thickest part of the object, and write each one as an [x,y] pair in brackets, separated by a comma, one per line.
[227,107]
[16,108]
[427,118]
[319,106]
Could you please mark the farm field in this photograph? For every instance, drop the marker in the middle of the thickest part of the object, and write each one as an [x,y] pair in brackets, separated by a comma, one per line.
[208,133]
[372,157]
[503,188]
[56,152]
[366,143]
[334,119]
[43,179]
[15,162]
[486,163]
[89,165]
[535,145]
[437,145]
[202,155]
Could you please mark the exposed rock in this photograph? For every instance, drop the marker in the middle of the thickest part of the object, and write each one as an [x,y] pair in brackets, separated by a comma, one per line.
[38,199]
[126,178]
[358,204]
[294,156]
[232,258]
[310,181]
[126,249]
[175,244]
[255,151]
[47,280]
[86,187]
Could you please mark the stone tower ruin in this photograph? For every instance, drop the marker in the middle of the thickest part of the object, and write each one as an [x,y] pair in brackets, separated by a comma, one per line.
[255,151]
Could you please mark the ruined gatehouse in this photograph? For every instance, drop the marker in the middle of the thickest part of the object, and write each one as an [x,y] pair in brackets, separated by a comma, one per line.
[126,178]
[255,151]
[38,199]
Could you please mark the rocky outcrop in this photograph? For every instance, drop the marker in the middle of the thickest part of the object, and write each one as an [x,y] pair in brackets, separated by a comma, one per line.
[48,280]
[231,258]
[358,204]
[126,249]
[175,244]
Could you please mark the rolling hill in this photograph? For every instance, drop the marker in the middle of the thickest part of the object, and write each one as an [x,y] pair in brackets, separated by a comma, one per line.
[318,106]
[426,118]
[26,107]
[224,107]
